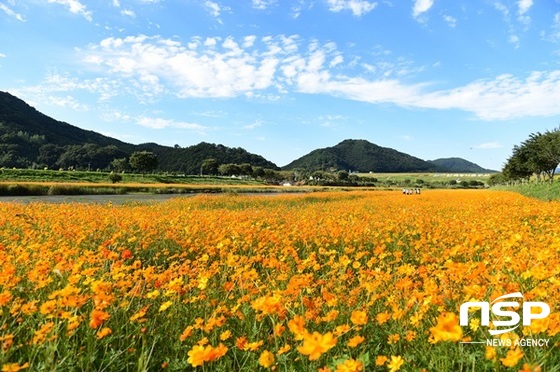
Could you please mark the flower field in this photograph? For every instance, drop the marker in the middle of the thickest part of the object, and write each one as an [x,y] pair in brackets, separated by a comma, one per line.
[345,281]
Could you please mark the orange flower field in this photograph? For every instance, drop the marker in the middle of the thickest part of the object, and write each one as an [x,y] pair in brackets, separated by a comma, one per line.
[341,281]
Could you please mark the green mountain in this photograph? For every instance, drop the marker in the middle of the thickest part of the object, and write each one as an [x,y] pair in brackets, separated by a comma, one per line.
[459,165]
[29,138]
[361,156]
[364,156]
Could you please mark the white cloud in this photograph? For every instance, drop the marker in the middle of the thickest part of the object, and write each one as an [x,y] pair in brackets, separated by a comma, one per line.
[74,6]
[524,6]
[451,21]
[149,67]
[489,145]
[358,7]
[215,9]
[254,125]
[421,6]
[502,8]
[514,39]
[502,98]
[213,69]
[2,55]
[128,13]
[161,123]
[263,4]
[11,13]
[56,90]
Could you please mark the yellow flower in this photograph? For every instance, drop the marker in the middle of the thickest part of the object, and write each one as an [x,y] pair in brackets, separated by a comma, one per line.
[490,353]
[284,349]
[380,360]
[350,365]
[317,344]
[186,333]
[104,332]
[164,306]
[341,329]
[447,328]
[395,363]
[98,317]
[359,317]
[512,357]
[355,341]
[200,354]
[197,356]
[382,317]
[153,294]
[225,335]
[297,327]
[266,359]
[14,367]
[393,339]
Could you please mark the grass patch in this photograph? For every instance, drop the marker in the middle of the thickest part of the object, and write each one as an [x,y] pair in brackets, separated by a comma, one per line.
[47,175]
[542,190]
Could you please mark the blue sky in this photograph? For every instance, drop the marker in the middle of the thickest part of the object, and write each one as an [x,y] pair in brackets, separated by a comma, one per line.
[430,78]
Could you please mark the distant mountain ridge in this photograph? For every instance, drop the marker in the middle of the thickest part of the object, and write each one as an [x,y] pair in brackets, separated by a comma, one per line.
[29,138]
[363,156]
[459,165]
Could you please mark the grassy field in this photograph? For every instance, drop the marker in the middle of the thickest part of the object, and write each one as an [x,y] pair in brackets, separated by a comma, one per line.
[34,175]
[427,177]
[541,190]
[354,281]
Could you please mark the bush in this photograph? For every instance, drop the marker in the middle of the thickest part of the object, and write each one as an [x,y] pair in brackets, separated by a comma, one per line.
[115,177]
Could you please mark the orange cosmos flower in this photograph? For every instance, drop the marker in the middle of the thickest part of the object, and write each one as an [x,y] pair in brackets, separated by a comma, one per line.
[382,317]
[14,367]
[97,318]
[297,327]
[317,344]
[199,354]
[380,360]
[350,365]
[266,359]
[359,317]
[355,341]
[512,357]
[104,332]
[447,328]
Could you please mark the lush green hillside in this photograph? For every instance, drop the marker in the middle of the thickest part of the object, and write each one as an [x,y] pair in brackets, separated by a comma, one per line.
[361,156]
[458,165]
[29,139]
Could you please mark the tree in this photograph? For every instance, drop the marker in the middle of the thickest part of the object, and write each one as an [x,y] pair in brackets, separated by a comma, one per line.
[246,169]
[229,170]
[143,161]
[539,155]
[115,177]
[119,165]
[342,175]
[258,172]
[209,166]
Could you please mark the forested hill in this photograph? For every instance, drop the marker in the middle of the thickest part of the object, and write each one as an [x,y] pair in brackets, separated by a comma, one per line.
[29,138]
[361,156]
[459,165]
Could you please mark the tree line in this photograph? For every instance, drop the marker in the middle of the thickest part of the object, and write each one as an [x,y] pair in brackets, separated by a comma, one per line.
[538,155]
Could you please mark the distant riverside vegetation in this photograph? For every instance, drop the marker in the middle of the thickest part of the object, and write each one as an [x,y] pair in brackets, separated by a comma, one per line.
[32,140]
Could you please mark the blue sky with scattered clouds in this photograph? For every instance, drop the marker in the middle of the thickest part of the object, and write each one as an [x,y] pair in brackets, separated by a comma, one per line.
[280,78]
